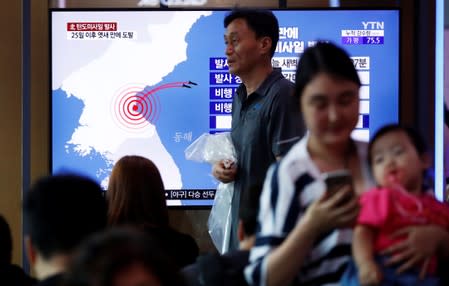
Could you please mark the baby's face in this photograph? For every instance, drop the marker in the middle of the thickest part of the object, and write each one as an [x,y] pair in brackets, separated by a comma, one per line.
[395,160]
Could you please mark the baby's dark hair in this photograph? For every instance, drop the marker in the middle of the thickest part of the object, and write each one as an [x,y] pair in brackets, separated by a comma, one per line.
[416,138]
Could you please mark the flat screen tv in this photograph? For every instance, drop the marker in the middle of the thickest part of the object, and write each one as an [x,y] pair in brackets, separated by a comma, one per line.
[149,82]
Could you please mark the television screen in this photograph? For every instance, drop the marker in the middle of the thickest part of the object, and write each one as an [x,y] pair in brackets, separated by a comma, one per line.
[150,82]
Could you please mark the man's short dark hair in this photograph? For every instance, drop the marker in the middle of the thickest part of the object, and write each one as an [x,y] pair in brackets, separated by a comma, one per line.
[263,22]
[61,211]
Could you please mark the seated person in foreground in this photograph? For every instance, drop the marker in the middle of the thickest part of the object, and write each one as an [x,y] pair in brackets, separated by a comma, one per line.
[60,212]
[121,257]
[227,269]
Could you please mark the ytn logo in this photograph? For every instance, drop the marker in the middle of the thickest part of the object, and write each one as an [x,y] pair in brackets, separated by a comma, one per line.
[373,25]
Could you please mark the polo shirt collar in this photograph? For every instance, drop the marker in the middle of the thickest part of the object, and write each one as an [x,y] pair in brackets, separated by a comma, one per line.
[275,75]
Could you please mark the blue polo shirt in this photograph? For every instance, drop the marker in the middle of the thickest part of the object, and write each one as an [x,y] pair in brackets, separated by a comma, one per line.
[265,124]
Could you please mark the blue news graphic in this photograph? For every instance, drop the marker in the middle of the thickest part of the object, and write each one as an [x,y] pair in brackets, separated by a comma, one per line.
[135,83]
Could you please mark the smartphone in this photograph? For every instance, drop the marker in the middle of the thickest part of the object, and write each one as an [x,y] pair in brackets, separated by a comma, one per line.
[335,180]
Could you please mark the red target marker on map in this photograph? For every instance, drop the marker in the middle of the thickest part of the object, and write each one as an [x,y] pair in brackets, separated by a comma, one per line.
[136,107]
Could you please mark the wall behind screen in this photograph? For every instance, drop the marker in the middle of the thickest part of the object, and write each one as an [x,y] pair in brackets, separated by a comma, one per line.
[10,120]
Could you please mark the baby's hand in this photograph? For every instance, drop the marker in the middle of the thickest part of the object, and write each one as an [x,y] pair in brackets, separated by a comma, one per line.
[370,273]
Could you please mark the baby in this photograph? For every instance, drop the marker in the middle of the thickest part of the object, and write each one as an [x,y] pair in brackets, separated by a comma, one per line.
[398,161]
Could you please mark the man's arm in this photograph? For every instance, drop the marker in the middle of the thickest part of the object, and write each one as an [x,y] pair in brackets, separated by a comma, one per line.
[286,126]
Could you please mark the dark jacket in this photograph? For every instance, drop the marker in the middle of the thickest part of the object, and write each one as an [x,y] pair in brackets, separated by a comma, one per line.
[217,270]
[180,248]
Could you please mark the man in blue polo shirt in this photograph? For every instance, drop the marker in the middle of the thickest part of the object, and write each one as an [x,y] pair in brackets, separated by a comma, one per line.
[266,120]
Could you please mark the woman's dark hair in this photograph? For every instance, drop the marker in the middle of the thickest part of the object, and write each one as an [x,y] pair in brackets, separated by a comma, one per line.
[324,58]
[105,254]
[136,194]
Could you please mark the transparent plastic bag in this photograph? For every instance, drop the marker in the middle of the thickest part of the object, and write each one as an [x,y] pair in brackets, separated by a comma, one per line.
[219,222]
[212,148]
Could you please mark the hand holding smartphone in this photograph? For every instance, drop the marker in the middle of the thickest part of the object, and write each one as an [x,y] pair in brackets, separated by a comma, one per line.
[336,180]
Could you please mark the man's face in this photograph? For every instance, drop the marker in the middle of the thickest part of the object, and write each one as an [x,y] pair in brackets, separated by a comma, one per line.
[243,49]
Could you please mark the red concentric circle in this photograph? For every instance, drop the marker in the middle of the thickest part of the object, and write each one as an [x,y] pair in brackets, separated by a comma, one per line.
[135,107]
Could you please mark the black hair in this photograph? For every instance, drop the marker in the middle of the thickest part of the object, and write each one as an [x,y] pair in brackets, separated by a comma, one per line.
[415,138]
[5,242]
[62,210]
[263,22]
[327,58]
[105,254]
[249,208]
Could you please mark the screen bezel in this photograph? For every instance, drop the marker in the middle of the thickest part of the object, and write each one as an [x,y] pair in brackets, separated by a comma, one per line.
[55,10]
